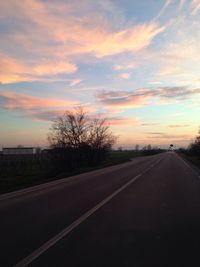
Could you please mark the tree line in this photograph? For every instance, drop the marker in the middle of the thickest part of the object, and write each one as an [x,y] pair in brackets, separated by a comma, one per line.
[194,148]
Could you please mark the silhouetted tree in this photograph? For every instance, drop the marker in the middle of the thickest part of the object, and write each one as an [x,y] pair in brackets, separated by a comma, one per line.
[69,130]
[149,147]
[79,140]
[194,148]
[137,147]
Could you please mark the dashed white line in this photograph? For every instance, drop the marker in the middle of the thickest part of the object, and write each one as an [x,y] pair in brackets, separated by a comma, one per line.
[35,254]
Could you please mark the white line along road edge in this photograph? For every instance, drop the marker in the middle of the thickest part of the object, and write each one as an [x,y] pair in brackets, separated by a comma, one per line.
[35,254]
[190,167]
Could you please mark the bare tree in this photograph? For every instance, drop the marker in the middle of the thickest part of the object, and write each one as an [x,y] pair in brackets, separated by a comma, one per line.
[69,130]
[137,147]
[194,148]
[83,138]
[100,136]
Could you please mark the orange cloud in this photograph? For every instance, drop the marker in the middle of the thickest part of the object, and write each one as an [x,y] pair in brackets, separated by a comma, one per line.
[120,121]
[129,40]
[47,32]
[74,39]
[122,100]
[12,100]
[10,69]
[55,68]
[168,136]
[169,70]
[125,67]
[195,6]
[119,100]
[74,82]
[178,125]
[13,70]
[124,75]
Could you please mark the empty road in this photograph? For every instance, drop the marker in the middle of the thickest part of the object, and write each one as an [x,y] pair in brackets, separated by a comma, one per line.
[142,213]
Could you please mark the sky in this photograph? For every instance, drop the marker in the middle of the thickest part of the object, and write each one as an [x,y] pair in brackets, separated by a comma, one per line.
[134,62]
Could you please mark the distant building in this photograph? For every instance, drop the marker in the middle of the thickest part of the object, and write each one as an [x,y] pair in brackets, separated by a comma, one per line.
[19,150]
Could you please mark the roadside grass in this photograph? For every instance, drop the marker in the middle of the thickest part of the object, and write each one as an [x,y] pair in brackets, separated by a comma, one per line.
[18,172]
[195,160]
[117,157]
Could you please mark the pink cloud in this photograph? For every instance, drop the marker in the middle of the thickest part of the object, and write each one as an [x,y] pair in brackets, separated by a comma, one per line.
[74,82]
[120,121]
[13,70]
[195,6]
[122,100]
[47,32]
[124,75]
[179,125]
[13,100]
[119,100]
[55,68]
[128,40]
[125,67]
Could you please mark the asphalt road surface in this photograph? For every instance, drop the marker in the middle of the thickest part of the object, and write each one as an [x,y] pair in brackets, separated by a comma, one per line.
[142,213]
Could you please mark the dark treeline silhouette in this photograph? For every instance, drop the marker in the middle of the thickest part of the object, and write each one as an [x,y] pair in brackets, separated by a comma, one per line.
[79,141]
[192,153]
[193,149]
[149,150]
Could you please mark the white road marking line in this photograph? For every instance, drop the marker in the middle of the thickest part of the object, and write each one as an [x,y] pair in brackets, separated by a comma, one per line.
[189,167]
[35,254]
[36,188]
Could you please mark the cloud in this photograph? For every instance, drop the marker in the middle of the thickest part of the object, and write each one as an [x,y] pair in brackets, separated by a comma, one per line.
[53,112]
[169,69]
[16,101]
[54,68]
[125,66]
[178,58]
[120,121]
[74,82]
[195,6]
[149,124]
[165,6]
[13,70]
[179,125]
[181,4]
[47,115]
[124,75]
[50,36]
[121,100]
[140,97]
[178,92]
[155,82]
[162,135]
[130,39]
[155,133]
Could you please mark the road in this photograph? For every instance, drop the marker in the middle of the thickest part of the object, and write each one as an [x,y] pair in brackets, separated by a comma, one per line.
[142,213]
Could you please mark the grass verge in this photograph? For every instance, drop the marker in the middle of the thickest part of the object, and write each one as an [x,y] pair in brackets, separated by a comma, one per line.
[21,172]
[195,160]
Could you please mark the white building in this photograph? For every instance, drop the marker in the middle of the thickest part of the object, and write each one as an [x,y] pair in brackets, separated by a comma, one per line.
[19,151]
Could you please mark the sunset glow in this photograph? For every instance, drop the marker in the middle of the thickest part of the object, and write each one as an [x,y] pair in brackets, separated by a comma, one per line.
[135,62]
